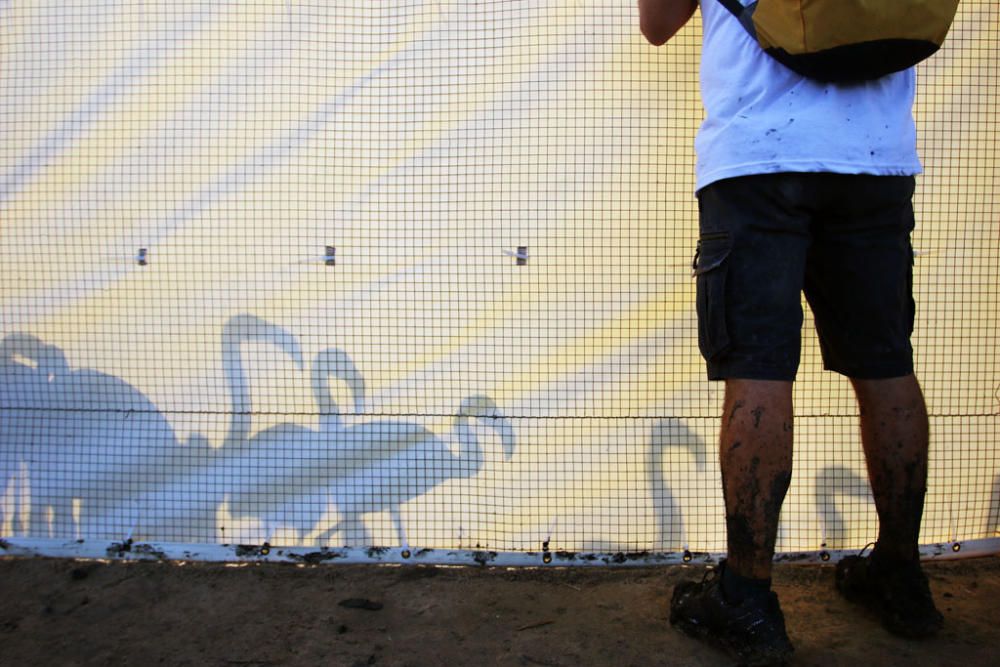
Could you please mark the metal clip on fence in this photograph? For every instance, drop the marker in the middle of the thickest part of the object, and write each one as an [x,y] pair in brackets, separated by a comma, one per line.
[521,254]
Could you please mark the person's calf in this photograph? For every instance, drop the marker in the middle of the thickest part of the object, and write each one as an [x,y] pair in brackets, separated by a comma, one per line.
[755,453]
[895,435]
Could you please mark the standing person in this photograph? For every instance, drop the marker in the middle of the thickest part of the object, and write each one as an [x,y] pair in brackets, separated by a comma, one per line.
[802,186]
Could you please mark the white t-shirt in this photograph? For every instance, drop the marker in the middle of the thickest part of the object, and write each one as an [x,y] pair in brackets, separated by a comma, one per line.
[762,117]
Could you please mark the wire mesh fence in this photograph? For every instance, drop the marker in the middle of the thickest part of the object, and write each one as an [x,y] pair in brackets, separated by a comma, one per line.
[350,275]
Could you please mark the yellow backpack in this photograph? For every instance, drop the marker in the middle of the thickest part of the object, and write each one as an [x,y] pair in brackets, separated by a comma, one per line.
[847,40]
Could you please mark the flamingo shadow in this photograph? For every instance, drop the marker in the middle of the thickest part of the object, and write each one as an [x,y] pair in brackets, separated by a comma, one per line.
[378,466]
[185,507]
[389,463]
[832,483]
[81,444]
[668,439]
[287,460]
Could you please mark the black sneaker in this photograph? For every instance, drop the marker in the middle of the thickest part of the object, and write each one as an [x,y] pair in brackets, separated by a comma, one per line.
[753,630]
[898,593]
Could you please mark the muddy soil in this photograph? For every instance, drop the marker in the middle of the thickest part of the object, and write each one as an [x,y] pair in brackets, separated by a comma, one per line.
[65,612]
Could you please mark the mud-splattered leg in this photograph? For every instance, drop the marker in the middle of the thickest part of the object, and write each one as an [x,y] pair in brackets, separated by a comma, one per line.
[894,432]
[755,453]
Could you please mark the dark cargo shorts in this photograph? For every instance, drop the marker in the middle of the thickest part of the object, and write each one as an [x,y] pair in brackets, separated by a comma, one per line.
[843,240]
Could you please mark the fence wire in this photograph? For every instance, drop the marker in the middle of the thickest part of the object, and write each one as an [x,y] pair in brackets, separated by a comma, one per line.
[349,274]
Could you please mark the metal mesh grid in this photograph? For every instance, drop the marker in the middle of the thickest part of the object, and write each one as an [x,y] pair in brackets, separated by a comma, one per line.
[352,274]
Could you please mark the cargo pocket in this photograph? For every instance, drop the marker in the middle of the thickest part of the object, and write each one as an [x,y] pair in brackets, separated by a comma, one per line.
[710,269]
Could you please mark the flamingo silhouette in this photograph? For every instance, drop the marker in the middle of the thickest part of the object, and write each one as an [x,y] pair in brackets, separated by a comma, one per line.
[285,458]
[92,439]
[188,503]
[384,464]
[832,482]
[670,434]
[27,367]
[237,331]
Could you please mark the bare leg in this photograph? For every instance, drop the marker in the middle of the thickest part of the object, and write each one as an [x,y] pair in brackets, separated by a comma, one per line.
[755,453]
[894,432]
[736,607]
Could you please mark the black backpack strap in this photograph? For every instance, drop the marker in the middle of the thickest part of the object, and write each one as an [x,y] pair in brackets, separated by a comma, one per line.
[743,14]
[734,7]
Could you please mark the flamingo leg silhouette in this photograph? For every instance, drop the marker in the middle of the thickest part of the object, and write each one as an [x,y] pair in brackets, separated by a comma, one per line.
[397,523]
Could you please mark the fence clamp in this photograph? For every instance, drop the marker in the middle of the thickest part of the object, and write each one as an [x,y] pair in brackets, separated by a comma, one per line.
[521,254]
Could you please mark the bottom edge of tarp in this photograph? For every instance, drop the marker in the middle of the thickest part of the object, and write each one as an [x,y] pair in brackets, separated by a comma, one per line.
[128,550]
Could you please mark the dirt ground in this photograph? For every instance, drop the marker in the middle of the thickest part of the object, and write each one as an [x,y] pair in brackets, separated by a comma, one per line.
[65,612]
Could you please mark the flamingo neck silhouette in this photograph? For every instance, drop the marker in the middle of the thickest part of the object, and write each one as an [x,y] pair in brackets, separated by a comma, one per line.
[329,411]
[239,392]
[470,451]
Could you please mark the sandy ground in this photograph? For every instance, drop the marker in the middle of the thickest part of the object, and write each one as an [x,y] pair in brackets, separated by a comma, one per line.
[65,612]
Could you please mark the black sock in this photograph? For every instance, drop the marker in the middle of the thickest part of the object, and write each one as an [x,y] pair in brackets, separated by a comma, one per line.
[737,587]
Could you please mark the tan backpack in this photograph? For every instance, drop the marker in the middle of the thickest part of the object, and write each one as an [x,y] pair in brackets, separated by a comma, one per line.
[847,40]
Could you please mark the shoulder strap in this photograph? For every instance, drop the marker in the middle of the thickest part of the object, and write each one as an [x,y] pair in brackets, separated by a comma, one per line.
[735,7]
[743,13]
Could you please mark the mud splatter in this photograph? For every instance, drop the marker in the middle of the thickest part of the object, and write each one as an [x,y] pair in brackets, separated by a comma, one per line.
[119,549]
[484,557]
[316,557]
[740,538]
[247,550]
[737,406]
[149,550]
[779,487]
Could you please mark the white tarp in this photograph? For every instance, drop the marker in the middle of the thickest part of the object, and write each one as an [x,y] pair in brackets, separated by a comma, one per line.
[418,273]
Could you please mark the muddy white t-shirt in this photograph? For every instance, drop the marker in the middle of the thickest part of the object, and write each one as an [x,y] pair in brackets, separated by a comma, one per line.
[762,117]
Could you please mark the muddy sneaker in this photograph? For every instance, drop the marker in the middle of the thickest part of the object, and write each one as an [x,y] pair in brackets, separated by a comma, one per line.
[898,593]
[753,630]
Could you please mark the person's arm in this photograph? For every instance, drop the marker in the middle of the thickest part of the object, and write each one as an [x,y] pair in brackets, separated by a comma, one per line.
[659,20]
